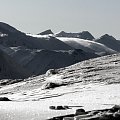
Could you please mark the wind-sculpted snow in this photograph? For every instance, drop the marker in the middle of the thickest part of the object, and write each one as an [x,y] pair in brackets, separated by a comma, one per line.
[102,70]
[93,84]
[87,45]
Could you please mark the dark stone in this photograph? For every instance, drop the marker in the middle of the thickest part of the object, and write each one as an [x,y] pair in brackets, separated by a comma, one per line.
[60,108]
[106,116]
[66,107]
[94,112]
[47,32]
[4,99]
[80,112]
[51,72]
[117,115]
[115,108]
[51,85]
[52,107]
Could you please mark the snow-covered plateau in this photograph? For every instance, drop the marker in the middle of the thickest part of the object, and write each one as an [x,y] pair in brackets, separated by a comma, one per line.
[91,84]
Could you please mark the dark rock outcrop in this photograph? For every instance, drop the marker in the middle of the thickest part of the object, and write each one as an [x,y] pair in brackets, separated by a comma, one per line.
[110,42]
[10,69]
[47,32]
[51,85]
[105,114]
[59,107]
[4,99]
[82,35]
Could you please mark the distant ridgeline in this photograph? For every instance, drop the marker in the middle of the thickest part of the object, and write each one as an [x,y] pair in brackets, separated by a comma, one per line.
[23,55]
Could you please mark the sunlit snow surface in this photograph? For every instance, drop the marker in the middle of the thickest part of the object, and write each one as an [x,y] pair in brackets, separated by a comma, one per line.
[39,36]
[93,84]
[86,45]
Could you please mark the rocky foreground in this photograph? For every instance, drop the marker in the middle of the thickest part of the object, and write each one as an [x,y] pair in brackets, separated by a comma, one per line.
[81,114]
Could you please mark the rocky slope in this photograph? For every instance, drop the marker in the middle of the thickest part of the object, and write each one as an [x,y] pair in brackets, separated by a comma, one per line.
[110,42]
[82,35]
[39,61]
[10,69]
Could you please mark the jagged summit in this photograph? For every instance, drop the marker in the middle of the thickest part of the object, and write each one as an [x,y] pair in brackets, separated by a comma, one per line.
[83,35]
[86,35]
[46,32]
[107,36]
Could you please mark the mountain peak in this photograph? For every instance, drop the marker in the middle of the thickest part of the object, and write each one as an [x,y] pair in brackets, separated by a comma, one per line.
[6,29]
[86,35]
[46,32]
[82,35]
[107,36]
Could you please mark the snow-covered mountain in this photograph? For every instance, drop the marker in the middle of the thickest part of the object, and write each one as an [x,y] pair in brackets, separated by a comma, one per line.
[38,53]
[15,38]
[44,51]
[87,45]
[109,41]
[83,35]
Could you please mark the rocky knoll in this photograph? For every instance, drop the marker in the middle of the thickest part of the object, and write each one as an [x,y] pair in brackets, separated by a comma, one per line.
[80,114]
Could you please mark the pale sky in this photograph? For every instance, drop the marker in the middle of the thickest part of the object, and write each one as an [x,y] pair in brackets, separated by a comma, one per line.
[34,16]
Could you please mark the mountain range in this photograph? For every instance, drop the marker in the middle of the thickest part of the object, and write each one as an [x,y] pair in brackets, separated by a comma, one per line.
[24,55]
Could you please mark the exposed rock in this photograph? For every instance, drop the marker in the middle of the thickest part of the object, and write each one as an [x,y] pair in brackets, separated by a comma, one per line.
[115,108]
[82,35]
[52,107]
[10,69]
[59,107]
[117,115]
[68,118]
[46,32]
[51,72]
[4,99]
[6,29]
[80,112]
[86,35]
[51,85]
[110,42]
[104,114]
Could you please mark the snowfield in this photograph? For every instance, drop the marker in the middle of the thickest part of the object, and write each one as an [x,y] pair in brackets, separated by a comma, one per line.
[91,84]
[36,79]
[87,45]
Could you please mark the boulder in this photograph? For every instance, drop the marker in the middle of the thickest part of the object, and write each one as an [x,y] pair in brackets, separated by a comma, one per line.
[52,107]
[80,112]
[51,85]
[4,99]
[51,72]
